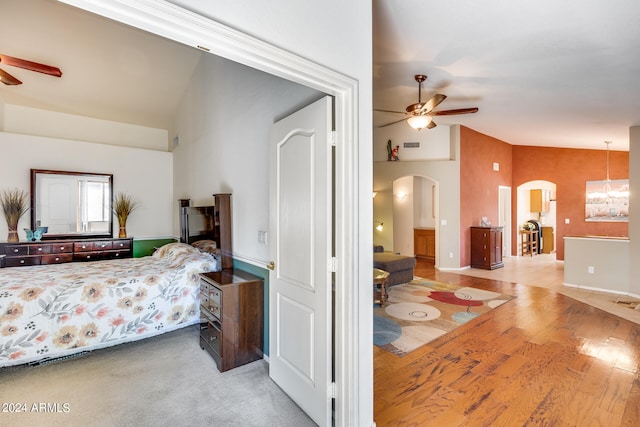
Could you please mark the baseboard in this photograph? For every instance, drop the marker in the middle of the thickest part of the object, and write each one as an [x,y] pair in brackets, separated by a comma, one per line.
[606,291]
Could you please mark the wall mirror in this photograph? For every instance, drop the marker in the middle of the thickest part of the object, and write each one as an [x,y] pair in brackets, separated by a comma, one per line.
[71,204]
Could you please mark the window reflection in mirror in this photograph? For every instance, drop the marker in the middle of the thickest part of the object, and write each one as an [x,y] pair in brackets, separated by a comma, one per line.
[71,203]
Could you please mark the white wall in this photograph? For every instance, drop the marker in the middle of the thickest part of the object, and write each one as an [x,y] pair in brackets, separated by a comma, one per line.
[446,174]
[434,143]
[224,127]
[403,200]
[33,121]
[144,174]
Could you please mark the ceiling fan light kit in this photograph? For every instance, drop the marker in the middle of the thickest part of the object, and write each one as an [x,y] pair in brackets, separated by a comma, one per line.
[420,113]
[419,122]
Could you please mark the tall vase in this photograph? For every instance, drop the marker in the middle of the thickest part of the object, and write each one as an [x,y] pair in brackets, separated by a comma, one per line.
[13,234]
[122,222]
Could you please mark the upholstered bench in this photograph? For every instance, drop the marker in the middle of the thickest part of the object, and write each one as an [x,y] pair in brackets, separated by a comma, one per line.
[400,267]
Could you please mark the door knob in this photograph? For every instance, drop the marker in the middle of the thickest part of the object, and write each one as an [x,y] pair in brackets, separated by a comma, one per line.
[271,265]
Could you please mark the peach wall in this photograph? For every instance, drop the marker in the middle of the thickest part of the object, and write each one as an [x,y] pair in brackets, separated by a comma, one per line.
[479,182]
[569,169]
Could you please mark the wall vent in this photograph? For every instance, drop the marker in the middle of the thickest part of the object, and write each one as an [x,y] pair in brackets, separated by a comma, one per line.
[411,144]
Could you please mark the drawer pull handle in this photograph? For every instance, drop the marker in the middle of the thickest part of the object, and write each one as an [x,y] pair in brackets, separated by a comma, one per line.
[39,249]
[15,251]
[21,261]
[57,259]
[62,248]
[84,247]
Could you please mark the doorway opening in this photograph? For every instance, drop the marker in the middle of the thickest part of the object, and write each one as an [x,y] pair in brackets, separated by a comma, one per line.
[537,206]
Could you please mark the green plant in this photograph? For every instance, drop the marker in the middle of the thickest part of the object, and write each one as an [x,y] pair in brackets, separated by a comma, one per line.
[123,205]
[14,205]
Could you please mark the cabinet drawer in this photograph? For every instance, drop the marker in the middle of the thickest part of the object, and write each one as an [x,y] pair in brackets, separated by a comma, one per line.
[16,250]
[211,335]
[21,261]
[83,246]
[119,254]
[102,245]
[56,258]
[86,256]
[61,248]
[210,306]
[121,244]
[215,295]
[39,249]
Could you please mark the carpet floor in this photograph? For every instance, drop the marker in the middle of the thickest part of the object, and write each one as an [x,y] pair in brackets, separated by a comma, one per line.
[162,381]
[423,310]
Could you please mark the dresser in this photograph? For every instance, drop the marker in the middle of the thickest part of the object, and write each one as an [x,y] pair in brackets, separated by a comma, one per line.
[486,247]
[61,251]
[231,317]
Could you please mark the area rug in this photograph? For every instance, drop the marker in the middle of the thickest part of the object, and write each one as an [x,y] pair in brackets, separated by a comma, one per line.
[422,310]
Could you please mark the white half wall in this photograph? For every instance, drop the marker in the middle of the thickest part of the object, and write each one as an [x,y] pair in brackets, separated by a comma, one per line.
[144,174]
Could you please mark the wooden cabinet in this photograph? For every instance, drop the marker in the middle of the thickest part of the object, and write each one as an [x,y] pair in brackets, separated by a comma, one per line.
[61,251]
[540,201]
[486,247]
[424,243]
[547,240]
[231,317]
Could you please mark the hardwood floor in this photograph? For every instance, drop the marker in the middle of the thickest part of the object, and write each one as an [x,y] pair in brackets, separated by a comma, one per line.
[542,359]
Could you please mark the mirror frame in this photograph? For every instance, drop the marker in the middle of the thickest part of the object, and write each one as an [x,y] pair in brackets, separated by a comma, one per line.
[77,235]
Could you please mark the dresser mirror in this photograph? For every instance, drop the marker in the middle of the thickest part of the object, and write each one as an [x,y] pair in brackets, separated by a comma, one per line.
[71,204]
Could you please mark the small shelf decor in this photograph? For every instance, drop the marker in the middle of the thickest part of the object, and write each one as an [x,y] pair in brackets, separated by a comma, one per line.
[123,205]
[14,205]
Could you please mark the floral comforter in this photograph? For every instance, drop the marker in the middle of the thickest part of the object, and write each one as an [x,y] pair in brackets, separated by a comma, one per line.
[57,310]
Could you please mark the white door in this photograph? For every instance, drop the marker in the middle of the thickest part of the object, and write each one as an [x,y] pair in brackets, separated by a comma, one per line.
[300,223]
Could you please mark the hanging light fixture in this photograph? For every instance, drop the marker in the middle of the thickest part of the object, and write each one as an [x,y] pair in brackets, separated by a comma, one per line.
[419,122]
[379,225]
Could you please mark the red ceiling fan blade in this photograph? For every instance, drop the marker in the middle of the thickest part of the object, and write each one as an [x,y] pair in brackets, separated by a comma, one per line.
[8,79]
[32,66]
[454,112]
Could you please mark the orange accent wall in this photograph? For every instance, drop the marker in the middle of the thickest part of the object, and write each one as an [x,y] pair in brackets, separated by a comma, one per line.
[570,169]
[479,182]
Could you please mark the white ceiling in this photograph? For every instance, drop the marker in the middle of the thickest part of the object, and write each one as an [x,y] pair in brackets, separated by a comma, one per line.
[546,73]
[543,73]
[110,71]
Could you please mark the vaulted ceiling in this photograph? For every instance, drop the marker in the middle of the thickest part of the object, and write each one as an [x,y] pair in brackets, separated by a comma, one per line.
[110,71]
[548,73]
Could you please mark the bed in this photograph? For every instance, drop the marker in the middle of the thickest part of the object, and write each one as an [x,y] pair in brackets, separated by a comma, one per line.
[53,311]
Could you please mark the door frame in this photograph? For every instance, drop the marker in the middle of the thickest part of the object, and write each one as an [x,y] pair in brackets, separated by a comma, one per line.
[504,218]
[353,361]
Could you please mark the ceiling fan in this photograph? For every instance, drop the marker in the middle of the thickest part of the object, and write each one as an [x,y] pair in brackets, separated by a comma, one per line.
[8,79]
[420,113]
